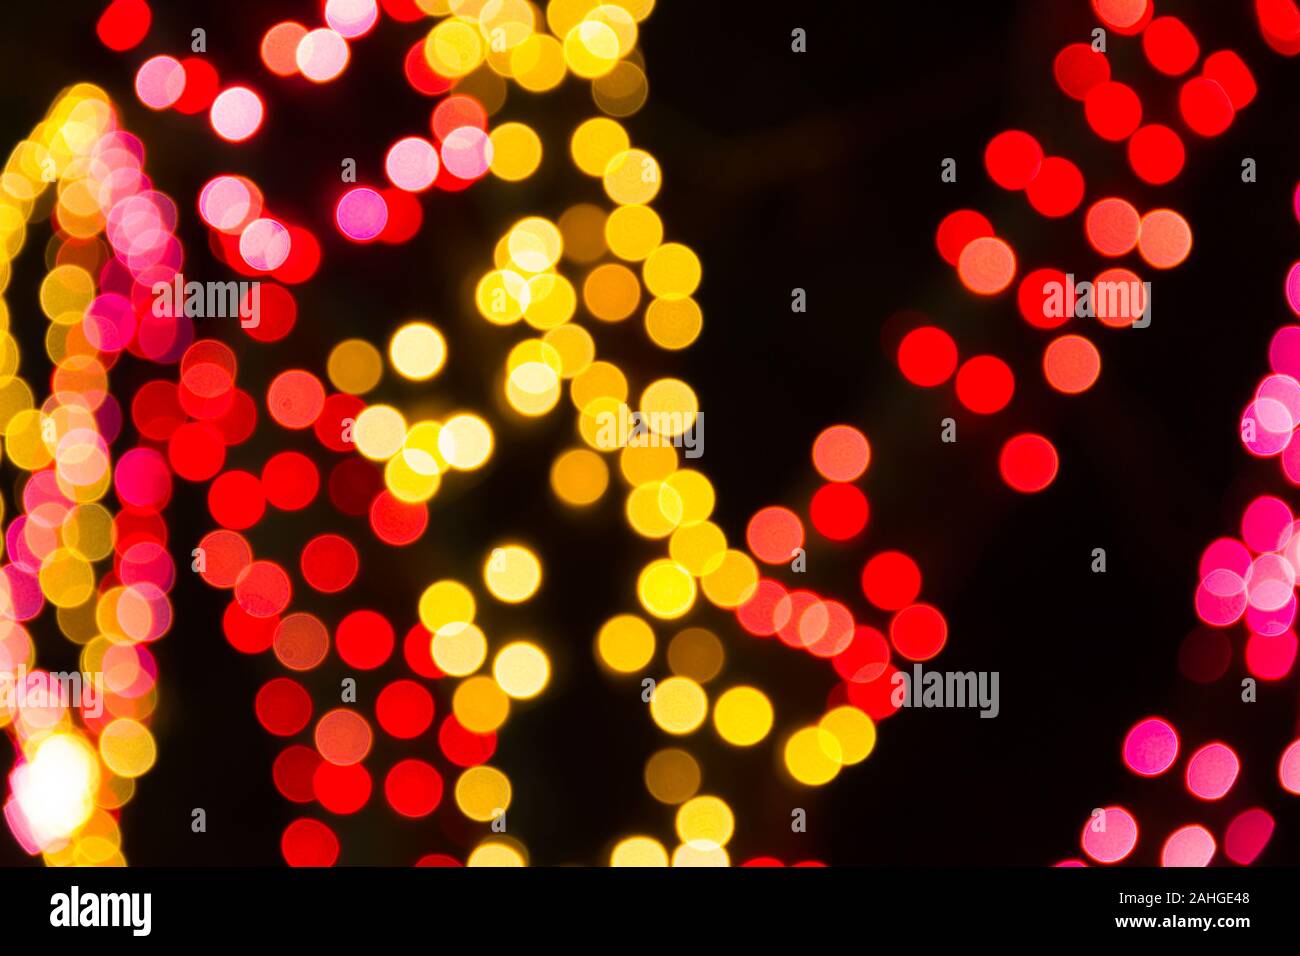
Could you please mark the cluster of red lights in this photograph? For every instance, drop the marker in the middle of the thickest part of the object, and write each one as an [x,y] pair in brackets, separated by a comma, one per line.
[246,235]
[1253,578]
[192,428]
[928,356]
[825,627]
[1247,580]
[202,419]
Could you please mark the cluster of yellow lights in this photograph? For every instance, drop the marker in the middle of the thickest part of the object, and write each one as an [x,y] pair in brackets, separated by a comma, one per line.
[481,702]
[483,44]
[73,778]
[664,501]
[742,716]
[415,455]
[624,268]
[619,266]
[704,825]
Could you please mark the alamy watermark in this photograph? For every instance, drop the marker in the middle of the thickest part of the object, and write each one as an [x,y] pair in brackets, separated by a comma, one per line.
[1104,299]
[651,430]
[946,689]
[74,908]
[37,689]
[209,300]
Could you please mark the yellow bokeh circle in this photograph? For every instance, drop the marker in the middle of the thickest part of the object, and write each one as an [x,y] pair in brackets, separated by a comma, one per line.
[512,573]
[679,705]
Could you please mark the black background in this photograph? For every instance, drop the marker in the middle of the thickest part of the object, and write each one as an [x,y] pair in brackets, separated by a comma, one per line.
[818,171]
